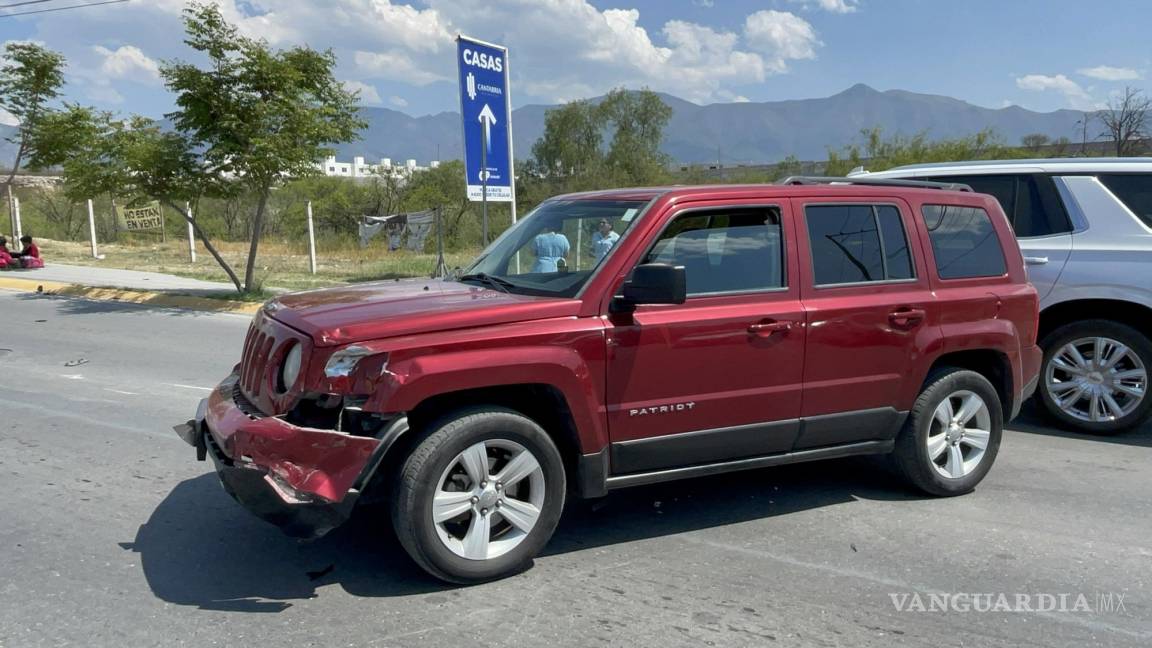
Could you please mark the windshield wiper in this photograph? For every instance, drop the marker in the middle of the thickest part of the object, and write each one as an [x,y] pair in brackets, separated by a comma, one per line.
[498,283]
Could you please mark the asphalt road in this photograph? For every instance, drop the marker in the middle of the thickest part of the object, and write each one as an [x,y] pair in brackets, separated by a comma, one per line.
[112,535]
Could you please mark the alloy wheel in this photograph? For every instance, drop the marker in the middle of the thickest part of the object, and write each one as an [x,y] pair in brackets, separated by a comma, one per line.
[1096,379]
[488,499]
[958,434]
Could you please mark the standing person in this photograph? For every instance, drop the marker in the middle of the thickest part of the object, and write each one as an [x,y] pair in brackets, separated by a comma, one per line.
[30,255]
[603,239]
[550,248]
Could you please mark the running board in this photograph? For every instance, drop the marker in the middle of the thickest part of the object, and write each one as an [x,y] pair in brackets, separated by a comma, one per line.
[656,476]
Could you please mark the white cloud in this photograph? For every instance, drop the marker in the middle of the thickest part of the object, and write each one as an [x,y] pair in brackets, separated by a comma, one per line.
[368,93]
[395,65]
[708,4]
[8,119]
[782,36]
[1109,73]
[1076,96]
[559,49]
[834,6]
[127,62]
[398,101]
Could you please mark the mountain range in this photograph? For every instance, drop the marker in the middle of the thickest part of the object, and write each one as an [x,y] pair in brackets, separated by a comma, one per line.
[748,132]
[734,133]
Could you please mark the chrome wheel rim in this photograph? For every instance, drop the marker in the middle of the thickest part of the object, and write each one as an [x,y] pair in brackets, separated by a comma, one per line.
[958,434]
[488,499]
[1096,379]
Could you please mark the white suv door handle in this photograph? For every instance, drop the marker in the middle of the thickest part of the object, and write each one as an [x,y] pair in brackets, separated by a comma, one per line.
[1030,260]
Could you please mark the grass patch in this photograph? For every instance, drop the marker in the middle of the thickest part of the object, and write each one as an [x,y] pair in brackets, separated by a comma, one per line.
[280,264]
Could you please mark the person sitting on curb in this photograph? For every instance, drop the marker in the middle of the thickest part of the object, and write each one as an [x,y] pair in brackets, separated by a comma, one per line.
[30,256]
[5,256]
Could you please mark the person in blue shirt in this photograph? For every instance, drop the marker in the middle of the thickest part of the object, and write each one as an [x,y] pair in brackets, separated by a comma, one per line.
[550,248]
[603,239]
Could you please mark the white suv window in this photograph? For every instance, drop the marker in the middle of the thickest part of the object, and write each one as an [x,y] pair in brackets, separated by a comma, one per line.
[1031,202]
[1134,190]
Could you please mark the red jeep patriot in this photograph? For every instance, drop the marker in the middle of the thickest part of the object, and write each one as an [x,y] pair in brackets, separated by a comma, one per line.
[726,328]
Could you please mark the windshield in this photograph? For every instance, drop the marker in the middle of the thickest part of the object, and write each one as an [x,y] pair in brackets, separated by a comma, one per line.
[556,248]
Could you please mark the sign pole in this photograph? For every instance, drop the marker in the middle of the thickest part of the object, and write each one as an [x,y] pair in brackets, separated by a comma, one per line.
[16,211]
[92,229]
[11,209]
[511,158]
[441,268]
[484,185]
[311,240]
[191,232]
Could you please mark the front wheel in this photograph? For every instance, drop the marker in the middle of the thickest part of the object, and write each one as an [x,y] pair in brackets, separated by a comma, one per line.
[1095,376]
[479,496]
[952,434]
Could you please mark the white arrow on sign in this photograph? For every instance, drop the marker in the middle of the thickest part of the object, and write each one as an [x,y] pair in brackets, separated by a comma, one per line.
[487,118]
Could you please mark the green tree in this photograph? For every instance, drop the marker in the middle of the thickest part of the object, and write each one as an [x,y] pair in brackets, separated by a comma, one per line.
[638,120]
[30,79]
[880,152]
[130,158]
[1035,141]
[572,141]
[571,156]
[256,114]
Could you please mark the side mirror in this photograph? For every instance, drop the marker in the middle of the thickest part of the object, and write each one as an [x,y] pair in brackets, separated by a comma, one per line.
[655,283]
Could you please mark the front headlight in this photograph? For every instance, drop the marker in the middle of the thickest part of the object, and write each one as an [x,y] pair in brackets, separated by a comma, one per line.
[290,372]
[343,362]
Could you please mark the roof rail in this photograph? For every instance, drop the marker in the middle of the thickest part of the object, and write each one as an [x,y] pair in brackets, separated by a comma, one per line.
[880,182]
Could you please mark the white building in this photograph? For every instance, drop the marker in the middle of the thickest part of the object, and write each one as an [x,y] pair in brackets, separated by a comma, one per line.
[358,168]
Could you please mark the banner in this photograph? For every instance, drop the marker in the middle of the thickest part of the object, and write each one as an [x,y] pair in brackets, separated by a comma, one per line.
[145,217]
[416,225]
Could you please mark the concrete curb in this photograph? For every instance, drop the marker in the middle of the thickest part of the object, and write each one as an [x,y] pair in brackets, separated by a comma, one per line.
[144,297]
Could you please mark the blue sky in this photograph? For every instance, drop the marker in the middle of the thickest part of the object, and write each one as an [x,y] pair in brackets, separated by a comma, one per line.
[1039,54]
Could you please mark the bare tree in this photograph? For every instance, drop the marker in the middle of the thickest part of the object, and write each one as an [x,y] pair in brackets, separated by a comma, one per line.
[1125,121]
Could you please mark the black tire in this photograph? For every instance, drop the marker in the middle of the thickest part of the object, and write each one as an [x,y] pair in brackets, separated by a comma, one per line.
[418,480]
[1126,335]
[911,452]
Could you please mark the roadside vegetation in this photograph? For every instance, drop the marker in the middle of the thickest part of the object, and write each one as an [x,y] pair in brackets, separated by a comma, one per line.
[251,121]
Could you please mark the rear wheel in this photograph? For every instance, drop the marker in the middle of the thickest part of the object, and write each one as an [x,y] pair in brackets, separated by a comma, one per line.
[1095,376]
[952,434]
[479,496]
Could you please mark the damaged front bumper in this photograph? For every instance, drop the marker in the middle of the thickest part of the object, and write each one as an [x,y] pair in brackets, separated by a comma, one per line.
[304,480]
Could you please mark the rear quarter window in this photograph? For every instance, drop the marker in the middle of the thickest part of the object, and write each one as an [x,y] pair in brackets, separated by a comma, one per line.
[1134,190]
[964,242]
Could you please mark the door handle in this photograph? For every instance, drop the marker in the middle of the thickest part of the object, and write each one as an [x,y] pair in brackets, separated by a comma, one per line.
[769,328]
[907,317]
[1032,260]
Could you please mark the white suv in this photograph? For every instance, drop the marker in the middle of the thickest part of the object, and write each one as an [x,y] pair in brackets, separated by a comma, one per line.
[1085,227]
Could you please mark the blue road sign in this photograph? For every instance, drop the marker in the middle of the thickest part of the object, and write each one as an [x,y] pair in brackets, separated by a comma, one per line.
[484,108]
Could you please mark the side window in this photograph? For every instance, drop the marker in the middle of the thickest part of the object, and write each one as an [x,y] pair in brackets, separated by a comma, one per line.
[1031,202]
[1039,211]
[725,251]
[857,243]
[964,242]
[1134,190]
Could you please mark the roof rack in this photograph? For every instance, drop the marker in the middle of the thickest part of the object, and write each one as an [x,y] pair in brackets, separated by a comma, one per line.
[880,182]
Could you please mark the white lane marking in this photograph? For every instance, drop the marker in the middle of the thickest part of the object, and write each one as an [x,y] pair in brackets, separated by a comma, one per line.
[72,376]
[119,391]
[197,387]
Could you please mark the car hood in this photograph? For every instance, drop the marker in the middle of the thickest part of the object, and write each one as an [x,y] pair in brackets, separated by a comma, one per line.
[382,309]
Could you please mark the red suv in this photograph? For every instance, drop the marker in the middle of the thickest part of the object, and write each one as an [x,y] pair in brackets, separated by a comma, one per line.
[628,337]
